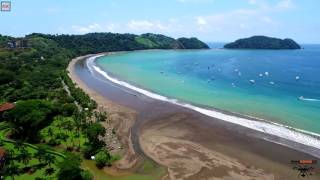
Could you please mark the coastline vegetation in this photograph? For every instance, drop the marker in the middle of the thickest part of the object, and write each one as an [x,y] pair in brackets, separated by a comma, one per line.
[54,125]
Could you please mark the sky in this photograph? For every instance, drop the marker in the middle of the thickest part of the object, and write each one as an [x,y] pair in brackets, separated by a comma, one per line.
[209,20]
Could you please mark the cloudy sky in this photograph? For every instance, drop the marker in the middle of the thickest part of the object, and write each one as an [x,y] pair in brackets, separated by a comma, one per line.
[210,20]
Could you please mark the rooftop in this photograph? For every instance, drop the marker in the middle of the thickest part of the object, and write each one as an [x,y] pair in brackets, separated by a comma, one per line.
[6,106]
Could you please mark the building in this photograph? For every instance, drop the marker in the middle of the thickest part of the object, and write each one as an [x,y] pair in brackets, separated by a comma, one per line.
[2,157]
[6,106]
[18,43]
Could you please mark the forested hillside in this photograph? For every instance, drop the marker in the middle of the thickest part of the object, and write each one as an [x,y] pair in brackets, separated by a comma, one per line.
[263,42]
[102,42]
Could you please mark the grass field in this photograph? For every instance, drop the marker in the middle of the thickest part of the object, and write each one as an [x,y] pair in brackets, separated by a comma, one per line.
[32,163]
[148,171]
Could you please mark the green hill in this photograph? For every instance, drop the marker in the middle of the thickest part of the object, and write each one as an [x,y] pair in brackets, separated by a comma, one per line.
[192,43]
[106,42]
[263,42]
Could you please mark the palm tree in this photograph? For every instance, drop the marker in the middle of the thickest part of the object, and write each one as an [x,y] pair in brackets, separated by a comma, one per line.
[77,122]
[8,127]
[19,145]
[10,157]
[24,156]
[12,170]
[50,132]
[60,123]
[49,159]
[41,152]
[67,125]
[49,171]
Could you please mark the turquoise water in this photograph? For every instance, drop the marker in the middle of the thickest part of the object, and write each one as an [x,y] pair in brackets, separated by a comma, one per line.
[221,79]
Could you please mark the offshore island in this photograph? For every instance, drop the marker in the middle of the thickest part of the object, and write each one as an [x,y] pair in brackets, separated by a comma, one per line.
[144,138]
[263,42]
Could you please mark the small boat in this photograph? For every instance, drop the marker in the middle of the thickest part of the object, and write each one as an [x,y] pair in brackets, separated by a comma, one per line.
[239,74]
[236,70]
[260,75]
[301,98]
[271,82]
[266,73]
[297,78]
[252,81]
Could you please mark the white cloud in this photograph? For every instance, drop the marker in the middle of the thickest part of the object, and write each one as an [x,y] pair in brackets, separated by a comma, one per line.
[201,21]
[258,19]
[95,27]
[132,26]
[252,1]
[52,10]
[195,1]
[266,19]
[143,26]
[267,6]
[140,25]
[86,29]
[285,4]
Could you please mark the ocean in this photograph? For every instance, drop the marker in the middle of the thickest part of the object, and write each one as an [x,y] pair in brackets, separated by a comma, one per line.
[278,86]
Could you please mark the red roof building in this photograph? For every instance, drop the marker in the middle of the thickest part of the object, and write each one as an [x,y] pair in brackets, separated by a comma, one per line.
[6,106]
[2,157]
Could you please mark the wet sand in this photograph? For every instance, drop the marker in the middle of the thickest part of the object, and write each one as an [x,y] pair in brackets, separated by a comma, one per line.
[189,144]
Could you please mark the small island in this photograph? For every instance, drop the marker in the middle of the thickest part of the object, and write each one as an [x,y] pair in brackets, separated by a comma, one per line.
[263,42]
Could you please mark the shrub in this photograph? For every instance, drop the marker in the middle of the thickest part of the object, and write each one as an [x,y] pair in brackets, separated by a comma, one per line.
[102,159]
[88,150]
[86,175]
[54,142]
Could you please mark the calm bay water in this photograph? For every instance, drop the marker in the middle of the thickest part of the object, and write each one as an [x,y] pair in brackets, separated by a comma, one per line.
[261,83]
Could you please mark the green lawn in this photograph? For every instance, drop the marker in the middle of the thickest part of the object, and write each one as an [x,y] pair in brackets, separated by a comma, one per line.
[38,173]
[57,129]
[148,171]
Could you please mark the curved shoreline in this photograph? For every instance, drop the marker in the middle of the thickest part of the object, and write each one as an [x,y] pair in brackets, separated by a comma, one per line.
[282,131]
[200,134]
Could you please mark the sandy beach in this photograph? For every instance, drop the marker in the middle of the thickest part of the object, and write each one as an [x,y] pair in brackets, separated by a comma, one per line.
[190,145]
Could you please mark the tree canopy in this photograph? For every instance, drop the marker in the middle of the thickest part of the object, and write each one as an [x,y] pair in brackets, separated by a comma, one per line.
[263,42]
[30,116]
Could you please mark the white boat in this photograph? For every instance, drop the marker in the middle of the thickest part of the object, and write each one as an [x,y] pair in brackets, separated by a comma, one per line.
[252,81]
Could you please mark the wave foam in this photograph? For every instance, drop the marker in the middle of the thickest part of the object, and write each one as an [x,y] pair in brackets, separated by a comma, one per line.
[282,131]
[309,99]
